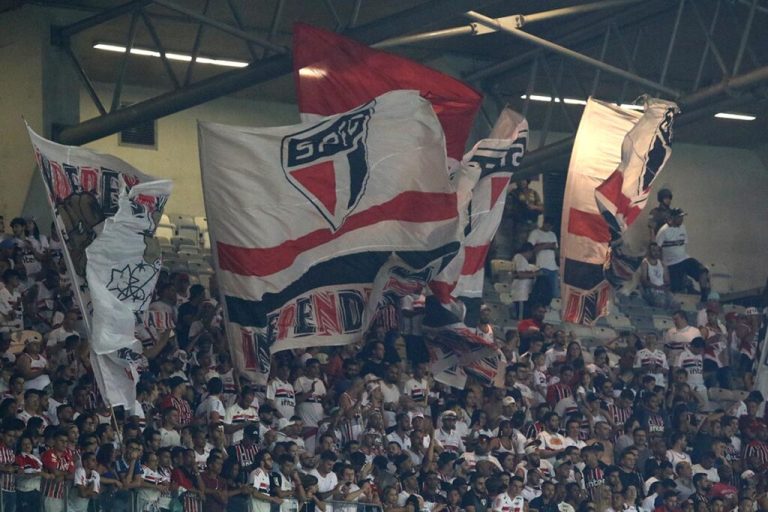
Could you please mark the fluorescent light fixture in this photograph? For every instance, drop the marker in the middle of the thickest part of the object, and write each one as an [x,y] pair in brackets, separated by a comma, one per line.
[171,56]
[548,99]
[738,117]
[630,106]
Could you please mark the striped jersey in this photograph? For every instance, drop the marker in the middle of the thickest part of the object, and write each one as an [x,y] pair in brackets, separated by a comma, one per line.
[53,461]
[7,458]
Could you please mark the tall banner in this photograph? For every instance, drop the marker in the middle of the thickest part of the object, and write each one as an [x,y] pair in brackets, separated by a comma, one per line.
[106,213]
[335,74]
[617,155]
[492,161]
[304,219]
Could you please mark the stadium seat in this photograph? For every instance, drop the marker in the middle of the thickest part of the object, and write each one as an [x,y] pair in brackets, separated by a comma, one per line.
[556,304]
[505,298]
[202,224]
[605,333]
[552,317]
[179,242]
[733,308]
[206,240]
[501,287]
[500,269]
[580,332]
[166,232]
[662,323]
[165,220]
[618,321]
[184,221]
[687,302]
[720,277]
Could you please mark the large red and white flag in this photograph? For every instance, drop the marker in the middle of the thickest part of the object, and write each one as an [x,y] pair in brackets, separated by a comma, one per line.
[304,218]
[334,74]
[106,212]
[617,155]
[492,161]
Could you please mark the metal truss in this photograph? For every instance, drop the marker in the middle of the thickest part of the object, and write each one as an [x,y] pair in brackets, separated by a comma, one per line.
[627,49]
[268,59]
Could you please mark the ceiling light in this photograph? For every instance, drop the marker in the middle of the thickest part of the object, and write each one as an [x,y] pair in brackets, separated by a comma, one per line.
[171,56]
[548,99]
[630,106]
[738,117]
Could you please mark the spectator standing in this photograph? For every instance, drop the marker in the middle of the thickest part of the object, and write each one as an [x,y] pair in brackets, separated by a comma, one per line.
[59,466]
[523,278]
[86,484]
[544,242]
[526,208]
[661,213]
[676,338]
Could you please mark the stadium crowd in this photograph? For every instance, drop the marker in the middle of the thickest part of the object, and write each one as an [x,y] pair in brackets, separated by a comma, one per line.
[625,426]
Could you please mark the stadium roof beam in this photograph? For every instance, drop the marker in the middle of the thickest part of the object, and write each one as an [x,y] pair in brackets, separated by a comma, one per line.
[425,14]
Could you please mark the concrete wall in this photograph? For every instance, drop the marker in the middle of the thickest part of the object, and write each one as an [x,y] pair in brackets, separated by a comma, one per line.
[176,154]
[725,191]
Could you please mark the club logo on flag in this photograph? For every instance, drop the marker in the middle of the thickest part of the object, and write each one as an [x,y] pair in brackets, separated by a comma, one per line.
[328,163]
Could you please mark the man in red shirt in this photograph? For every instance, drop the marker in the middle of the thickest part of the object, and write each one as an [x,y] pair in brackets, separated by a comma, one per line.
[536,322]
[60,465]
[12,428]
[190,485]
[176,400]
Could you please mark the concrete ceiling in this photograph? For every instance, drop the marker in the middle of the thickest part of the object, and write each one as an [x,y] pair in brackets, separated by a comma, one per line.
[648,25]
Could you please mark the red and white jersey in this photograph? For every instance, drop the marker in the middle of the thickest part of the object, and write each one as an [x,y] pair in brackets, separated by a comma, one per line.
[182,406]
[693,364]
[450,441]
[504,503]
[7,458]
[648,359]
[64,461]
[284,397]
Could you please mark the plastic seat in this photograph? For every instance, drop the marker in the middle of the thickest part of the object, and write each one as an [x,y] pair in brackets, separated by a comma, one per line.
[618,321]
[556,304]
[500,269]
[501,287]
[687,302]
[201,223]
[662,323]
[552,316]
[165,232]
[184,221]
[605,333]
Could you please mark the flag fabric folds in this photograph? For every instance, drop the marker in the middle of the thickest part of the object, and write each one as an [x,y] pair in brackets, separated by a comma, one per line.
[305,218]
[335,74]
[492,161]
[617,155]
[106,212]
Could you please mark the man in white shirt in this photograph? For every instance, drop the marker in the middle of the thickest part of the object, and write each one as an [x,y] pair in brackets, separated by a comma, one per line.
[552,443]
[240,414]
[447,436]
[673,240]
[67,328]
[280,392]
[524,275]
[692,361]
[678,337]
[11,308]
[327,480]
[544,243]
[391,394]
[652,361]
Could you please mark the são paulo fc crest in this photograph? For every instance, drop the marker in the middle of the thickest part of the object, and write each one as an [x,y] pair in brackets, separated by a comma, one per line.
[328,163]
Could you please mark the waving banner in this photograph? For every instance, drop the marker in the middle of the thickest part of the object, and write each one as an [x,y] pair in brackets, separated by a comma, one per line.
[304,219]
[106,213]
[335,74]
[617,155]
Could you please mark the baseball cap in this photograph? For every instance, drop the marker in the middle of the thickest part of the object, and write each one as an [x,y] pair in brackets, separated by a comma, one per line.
[509,400]
[251,430]
[449,414]
[677,212]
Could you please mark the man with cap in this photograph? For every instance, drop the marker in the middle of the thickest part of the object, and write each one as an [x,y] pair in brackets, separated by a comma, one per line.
[692,361]
[410,482]
[673,240]
[484,329]
[447,437]
[659,215]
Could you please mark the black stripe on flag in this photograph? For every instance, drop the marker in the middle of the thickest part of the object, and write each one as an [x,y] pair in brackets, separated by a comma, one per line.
[582,275]
[351,269]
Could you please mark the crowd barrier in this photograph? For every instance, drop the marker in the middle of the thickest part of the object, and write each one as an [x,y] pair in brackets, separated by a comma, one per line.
[127,501]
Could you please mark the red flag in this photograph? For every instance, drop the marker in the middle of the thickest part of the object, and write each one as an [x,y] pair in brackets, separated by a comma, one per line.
[335,74]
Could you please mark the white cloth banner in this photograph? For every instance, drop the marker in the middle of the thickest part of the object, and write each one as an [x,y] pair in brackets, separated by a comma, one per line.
[617,155]
[106,213]
[303,218]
